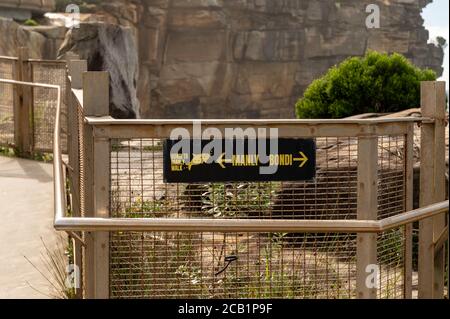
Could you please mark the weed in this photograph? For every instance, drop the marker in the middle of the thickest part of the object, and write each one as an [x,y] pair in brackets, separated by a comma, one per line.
[54,269]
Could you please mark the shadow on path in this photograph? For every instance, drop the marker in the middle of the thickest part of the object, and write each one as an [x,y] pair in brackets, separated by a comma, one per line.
[11,167]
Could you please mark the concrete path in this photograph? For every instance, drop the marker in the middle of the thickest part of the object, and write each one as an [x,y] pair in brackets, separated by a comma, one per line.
[26,209]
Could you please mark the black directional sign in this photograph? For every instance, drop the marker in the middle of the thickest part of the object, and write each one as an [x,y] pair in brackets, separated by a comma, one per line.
[239,161]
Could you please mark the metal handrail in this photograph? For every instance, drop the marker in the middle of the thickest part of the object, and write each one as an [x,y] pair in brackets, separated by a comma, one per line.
[9,58]
[107,120]
[46,61]
[247,225]
[34,84]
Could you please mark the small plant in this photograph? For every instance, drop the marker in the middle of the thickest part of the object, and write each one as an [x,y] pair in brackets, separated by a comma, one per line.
[43,157]
[243,199]
[31,23]
[54,271]
[7,151]
[144,209]
[192,274]
[391,246]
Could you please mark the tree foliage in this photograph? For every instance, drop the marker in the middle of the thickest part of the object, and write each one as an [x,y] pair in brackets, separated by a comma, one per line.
[375,83]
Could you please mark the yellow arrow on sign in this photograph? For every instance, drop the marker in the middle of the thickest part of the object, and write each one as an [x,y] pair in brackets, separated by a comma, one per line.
[221,161]
[302,159]
[198,160]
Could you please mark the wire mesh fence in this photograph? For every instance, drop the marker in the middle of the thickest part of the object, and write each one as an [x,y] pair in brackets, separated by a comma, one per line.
[45,104]
[7,103]
[231,265]
[391,175]
[391,262]
[138,186]
[255,265]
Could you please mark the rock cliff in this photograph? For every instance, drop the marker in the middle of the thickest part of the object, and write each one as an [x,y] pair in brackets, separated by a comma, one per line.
[244,58]
[42,41]
[14,35]
[25,9]
[109,47]
[254,58]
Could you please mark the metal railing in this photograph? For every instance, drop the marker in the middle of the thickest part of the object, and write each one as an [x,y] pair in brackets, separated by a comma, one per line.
[241,225]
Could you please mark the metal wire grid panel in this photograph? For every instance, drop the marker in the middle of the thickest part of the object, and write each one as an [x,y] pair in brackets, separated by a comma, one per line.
[44,105]
[218,265]
[236,265]
[6,103]
[138,187]
[391,176]
[391,201]
[391,263]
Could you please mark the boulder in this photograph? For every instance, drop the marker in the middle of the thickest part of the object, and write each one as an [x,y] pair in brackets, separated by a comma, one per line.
[15,36]
[111,48]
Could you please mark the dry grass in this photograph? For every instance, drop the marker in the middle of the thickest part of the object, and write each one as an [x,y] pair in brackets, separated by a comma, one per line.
[54,265]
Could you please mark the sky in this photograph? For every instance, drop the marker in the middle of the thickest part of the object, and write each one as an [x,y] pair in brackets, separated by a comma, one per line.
[436,18]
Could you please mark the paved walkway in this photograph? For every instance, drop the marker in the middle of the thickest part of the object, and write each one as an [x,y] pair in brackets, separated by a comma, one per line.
[26,209]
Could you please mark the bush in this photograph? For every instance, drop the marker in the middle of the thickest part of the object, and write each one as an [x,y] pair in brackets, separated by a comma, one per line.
[376,83]
[31,23]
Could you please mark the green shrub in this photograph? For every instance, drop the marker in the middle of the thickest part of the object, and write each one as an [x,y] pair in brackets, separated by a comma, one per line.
[376,83]
[31,23]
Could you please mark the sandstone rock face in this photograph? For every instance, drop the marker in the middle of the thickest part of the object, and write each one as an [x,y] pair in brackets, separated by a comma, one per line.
[33,5]
[13,36]
[25,9]
[110,48]
[54,37]
[42,41]
[254,58]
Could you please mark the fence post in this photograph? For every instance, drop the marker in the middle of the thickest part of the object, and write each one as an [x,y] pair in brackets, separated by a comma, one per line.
[96,103]
[75,71]
[409,205]
[23,108]
[432,189]
[366,251]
